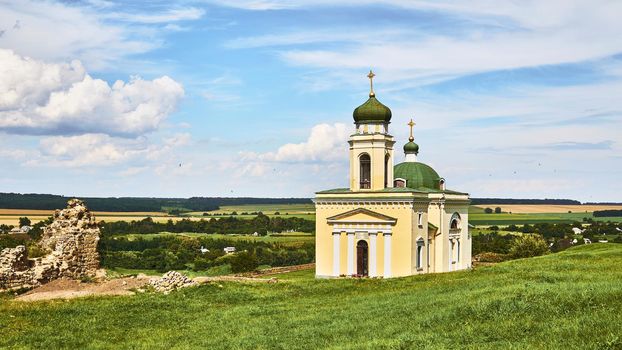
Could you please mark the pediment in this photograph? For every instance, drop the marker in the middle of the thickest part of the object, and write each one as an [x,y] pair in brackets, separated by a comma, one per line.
[361,215]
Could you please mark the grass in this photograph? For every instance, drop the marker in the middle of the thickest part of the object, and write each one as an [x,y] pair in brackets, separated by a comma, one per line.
[565,300]
[213,271]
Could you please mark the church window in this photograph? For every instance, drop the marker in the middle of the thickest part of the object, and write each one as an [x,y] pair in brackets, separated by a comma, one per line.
[420,219]
[399,183]
[386,171]
[420,245]
[365,162]
[458,250]
[454,224]
[441,184]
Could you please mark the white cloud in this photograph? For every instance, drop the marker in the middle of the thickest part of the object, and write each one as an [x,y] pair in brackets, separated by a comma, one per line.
[494,35]
[170,15]
[325,144]
[47,98]
[57,31]
[88,150]
[100,150]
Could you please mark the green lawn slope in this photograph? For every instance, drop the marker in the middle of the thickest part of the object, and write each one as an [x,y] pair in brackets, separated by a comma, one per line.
[570,300]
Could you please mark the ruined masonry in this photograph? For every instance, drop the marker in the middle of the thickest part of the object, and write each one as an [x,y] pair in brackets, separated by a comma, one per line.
[71,242]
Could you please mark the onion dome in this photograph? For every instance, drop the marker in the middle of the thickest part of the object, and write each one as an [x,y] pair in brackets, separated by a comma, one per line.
[411,147]
[372,111]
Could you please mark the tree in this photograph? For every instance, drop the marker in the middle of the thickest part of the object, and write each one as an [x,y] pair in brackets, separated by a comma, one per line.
[497,210]
[488,211]
[244,262]
[527,246]
[24,222]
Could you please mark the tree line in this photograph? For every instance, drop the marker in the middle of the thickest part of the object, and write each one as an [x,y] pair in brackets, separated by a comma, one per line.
[262,224]
[124,204]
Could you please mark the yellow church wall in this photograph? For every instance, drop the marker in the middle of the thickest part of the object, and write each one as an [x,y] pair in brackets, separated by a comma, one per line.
[402,236]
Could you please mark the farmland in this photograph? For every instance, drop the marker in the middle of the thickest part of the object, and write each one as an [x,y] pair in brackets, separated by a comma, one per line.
[545,302]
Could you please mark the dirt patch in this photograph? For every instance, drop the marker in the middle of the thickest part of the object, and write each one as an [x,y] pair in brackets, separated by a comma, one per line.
[69,289]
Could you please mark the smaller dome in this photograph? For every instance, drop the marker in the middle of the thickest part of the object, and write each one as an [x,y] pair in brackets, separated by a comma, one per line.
[372,111]
[411,147]
[417,175]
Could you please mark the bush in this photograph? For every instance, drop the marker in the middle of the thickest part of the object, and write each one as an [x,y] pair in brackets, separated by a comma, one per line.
[490,257]
[244,262]
[488,211]
[528,246]
[497,210]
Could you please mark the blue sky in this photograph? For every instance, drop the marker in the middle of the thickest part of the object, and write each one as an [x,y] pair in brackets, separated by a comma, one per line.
[255,97]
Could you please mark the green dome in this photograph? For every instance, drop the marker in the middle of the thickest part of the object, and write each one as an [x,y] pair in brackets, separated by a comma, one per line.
[372,111]
[417,175]
[411,147]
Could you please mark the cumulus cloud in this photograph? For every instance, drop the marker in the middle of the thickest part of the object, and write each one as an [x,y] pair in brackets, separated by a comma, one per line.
[61,31]
[325,143]
[100,150]
[41,98]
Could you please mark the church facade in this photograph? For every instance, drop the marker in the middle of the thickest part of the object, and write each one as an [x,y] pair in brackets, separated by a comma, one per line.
[392,220]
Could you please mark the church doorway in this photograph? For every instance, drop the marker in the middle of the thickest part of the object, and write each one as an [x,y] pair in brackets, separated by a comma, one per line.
[362,257]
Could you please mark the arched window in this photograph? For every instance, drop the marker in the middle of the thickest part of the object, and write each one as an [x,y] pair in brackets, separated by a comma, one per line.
[365,175]
[386,171]
[399,183]
[441,184]
[454,223]
[420,244]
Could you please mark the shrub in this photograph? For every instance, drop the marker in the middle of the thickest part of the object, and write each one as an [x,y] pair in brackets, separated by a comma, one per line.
[497,210]
[528,246]
[490,257]
[488,211]
[243,262]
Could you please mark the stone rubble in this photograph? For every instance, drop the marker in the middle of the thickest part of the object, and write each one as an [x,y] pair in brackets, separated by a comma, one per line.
[71,240]
[171,281]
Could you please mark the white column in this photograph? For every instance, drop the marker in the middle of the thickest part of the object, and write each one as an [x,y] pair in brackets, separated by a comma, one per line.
[372,254]
[451,253]
[387,254]
[350,271]
[336,251]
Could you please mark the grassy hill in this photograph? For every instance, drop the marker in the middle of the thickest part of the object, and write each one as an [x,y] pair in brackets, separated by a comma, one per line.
[571,299]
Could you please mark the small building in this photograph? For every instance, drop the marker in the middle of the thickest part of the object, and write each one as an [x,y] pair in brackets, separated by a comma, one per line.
[229,250]
[577,231]
[16,230]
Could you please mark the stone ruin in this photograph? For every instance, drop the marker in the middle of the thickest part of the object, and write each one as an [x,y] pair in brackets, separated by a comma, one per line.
[71,245]
[171,281]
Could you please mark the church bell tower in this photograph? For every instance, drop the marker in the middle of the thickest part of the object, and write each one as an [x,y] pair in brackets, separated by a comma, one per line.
[371,145]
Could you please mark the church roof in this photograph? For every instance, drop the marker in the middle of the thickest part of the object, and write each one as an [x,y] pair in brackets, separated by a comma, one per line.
[372,111]
[390,190]
[417,175]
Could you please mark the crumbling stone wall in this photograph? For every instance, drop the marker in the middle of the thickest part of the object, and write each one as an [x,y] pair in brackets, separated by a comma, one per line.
[71,240]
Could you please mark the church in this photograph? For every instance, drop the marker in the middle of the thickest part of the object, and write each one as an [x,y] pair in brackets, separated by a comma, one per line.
[393,220]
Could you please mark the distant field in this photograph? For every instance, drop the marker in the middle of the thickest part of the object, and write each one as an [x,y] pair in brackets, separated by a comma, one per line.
[533,218]
[304,211]
[547,208]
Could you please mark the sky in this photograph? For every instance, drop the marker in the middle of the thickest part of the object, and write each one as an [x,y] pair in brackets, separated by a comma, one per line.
[255,97]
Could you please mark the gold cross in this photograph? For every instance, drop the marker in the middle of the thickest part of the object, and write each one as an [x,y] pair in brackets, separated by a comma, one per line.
[371,76]
[411,124]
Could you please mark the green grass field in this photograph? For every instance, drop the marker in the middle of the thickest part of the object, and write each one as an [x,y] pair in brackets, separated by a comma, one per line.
[567,300]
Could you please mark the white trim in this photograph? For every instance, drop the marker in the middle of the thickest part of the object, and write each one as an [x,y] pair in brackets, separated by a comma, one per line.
[372,254]
[336,253]
[350,270]
[387,255]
